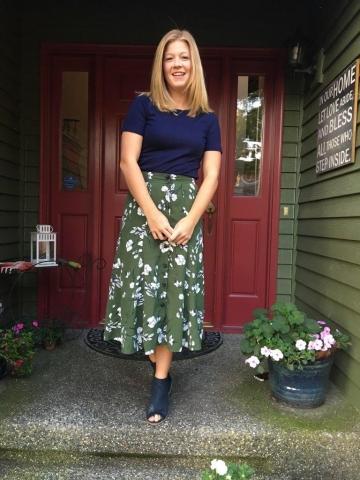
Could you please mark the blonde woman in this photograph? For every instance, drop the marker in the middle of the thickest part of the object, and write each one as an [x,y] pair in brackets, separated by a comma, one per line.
[156,293]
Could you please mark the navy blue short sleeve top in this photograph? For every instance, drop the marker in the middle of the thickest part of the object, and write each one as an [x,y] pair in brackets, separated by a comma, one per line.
[172,143]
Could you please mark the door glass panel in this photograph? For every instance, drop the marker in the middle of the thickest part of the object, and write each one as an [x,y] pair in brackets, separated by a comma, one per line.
[249,128]
[74,135]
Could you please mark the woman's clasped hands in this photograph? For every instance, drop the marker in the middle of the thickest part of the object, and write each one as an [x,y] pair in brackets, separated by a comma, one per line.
[161,229]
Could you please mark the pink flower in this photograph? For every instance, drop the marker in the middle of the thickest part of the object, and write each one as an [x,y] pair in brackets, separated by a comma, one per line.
[321,322]
[311,345]
[35,323]
[315,345]
[325,332]
[329,341]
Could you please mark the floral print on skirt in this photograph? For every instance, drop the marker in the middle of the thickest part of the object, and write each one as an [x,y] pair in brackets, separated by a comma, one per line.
[156,291]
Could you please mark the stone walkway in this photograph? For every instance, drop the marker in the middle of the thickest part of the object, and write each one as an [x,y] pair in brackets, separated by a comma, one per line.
[81,415]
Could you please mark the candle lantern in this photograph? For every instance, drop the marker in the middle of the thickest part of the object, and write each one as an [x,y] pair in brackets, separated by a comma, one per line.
[43,246]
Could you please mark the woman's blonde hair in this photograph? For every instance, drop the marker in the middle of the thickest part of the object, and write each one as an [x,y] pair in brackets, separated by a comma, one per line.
[196,89]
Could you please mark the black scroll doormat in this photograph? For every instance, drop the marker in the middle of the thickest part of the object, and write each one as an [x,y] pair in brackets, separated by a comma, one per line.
[94,339]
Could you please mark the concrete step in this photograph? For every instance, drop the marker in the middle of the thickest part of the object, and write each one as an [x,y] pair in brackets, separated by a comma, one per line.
[85,404]
[16,465]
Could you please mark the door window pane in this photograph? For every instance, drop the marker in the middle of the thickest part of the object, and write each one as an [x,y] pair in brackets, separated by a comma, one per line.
[249,126]
[74,121]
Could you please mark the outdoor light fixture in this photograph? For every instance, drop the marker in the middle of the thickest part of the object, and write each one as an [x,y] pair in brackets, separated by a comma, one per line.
[301,60]
[296,54]
[43,246]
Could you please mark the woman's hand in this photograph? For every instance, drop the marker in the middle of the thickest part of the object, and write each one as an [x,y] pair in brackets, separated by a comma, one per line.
[182,231]
[159,225]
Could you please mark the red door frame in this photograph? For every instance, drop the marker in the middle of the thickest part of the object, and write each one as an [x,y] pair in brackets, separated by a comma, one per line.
[275,117]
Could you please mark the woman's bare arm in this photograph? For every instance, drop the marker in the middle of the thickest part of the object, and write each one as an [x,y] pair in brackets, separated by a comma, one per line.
[130,151]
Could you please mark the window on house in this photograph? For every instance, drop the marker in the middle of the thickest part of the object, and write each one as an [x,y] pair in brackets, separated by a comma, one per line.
[249,128]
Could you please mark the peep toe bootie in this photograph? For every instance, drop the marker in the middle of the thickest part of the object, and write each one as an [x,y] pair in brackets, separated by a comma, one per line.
[159,401]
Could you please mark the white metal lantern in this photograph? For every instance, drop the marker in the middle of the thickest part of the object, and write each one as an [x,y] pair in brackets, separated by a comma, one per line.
[43,246]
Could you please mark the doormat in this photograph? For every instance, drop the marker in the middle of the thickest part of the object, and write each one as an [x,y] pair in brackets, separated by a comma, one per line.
[94,339]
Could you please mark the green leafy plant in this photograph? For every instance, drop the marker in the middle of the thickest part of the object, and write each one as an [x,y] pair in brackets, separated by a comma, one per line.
[17,347]
[51,335]
[285,334]
[232,471]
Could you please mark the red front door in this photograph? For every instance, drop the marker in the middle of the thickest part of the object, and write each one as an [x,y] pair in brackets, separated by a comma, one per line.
[240,225]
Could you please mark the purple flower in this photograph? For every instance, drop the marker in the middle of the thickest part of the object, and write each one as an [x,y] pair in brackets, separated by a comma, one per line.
[17,328]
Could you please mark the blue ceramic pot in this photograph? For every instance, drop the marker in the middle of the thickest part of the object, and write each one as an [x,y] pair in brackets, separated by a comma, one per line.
[305,388]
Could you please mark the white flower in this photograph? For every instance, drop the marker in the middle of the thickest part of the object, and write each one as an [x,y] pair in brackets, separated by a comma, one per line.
[276,355]
[152,321]
[265,351]
[117,264]
[221,468]
[164,188]
[147,269]
[140,212]
[132,285]
[300,344]
[180,259]
[181,296]
[165,246]
[253,361]
[129,245]
[173,197]
[213,464]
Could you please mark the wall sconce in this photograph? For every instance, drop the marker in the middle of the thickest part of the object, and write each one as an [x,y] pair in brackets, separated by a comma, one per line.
[297,60]
[43,246]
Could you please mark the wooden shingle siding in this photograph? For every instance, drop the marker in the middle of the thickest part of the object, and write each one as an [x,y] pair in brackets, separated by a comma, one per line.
[289,182]
[10,190]
[10,172]
[328,243]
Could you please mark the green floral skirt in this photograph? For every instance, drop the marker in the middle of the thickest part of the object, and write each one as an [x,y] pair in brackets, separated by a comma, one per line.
[156,291]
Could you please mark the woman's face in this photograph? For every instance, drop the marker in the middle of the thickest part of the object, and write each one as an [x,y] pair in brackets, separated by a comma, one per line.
[177,65]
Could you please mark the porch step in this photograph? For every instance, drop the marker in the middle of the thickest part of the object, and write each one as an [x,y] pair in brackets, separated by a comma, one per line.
[90,408]
[18,465]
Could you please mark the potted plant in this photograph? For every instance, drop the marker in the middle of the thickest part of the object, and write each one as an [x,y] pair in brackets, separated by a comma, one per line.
[31,326]
[17,347]
[232,471]
[51,333]
[297,351]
